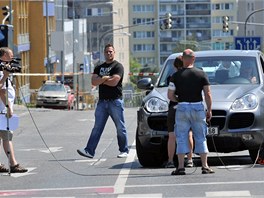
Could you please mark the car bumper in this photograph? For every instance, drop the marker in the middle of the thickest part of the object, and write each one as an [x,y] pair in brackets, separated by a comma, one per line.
[152,130]
[53,103]
[237,131]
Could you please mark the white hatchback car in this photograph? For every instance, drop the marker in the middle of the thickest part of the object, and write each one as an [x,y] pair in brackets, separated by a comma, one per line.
[237,86]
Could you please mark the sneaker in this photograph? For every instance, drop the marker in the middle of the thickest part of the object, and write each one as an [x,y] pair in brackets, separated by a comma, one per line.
[170,165]
[189,164]
[18,169]
[180,171]
[122,155]
[84,153]
[207,170]
[3,169]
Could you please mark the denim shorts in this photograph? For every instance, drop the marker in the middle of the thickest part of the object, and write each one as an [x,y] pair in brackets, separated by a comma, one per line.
[190,115]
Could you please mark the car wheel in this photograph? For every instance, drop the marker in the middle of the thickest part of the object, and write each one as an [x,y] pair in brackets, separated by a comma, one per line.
[149,159]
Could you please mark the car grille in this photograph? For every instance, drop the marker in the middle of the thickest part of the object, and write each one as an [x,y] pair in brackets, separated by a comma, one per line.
[241,120]
[158,123]
[218,118]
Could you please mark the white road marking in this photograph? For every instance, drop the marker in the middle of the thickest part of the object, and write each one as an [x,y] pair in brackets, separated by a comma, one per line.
[228,194]
[91,161]
[44,150]
[140,195]
[120,183]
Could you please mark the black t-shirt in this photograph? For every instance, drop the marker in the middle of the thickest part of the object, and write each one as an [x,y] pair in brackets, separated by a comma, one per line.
[189,83]
[105,91]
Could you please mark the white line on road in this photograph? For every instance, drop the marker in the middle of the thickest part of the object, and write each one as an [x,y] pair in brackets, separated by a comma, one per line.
[120,183]
[244,193]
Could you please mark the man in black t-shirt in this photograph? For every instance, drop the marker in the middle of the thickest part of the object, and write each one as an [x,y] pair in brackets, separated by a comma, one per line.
[109,77]
[189,83]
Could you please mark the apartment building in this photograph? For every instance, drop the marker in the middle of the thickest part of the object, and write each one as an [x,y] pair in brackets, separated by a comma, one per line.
[220,8]
[144,40]
[107,22]
[254,9]
[21,44]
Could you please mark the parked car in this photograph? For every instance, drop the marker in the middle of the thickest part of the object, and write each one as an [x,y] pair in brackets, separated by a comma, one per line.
[71,97]
[237,109]
[52,94]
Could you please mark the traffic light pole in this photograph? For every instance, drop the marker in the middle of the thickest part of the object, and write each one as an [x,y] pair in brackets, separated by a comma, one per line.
[245,27]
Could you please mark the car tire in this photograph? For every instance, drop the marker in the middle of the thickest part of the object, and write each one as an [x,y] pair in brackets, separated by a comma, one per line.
[148,159]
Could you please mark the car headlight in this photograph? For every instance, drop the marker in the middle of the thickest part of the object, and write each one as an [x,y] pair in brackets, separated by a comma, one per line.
[247,102]
[156,105]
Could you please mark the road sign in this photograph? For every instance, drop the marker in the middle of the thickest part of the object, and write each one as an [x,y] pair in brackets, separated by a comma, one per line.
[247,43]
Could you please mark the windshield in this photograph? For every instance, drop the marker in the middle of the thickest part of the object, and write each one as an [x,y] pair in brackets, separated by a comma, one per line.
[53,87]
[220,70]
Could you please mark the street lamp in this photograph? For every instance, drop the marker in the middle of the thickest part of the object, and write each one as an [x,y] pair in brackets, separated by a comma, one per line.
[245,30]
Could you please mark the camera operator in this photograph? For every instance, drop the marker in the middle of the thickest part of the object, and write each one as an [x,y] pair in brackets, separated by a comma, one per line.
[6,56]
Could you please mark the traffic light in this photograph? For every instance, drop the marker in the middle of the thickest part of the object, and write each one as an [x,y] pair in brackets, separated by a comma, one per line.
[167,21]
[225,23]
[6,13]
[6,35]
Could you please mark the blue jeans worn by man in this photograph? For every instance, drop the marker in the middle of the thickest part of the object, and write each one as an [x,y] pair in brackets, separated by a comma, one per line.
[191,116]
[104,109]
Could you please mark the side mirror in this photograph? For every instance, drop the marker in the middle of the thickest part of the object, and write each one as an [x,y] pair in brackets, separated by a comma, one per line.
[145,83]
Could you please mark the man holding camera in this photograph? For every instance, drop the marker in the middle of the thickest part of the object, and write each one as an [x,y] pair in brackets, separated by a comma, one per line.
[6,56]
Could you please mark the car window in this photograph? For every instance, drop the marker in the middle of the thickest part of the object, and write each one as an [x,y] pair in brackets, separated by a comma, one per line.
[220,70]
[52,87]
[167,71]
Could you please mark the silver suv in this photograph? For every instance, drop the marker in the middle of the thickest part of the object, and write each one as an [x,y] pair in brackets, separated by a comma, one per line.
[237,86]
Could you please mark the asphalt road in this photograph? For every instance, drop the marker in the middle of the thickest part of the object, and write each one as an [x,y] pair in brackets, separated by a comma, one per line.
[46,143]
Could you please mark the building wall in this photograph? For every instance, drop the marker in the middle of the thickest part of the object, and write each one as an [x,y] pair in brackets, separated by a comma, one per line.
[38,40]
[220,39]
[21,44]
[144,39]
[121,37]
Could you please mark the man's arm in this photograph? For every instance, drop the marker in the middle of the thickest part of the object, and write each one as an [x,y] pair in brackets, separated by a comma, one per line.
[171,95]
[97,80]
[112,81]
[208,101]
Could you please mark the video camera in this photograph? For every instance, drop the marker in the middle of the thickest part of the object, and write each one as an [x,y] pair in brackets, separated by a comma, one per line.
[11,66]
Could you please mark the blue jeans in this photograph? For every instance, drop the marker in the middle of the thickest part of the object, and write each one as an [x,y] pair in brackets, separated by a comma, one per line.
[104,109]
[190,116]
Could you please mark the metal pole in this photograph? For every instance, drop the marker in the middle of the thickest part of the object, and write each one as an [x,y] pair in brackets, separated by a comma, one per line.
[63,48]
[47,40]
[245,27]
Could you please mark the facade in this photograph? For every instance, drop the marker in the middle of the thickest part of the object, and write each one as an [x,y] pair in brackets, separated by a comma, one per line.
[144,30]
[254,27]
[105,22]
[42,58]
[21,44]
[220,8]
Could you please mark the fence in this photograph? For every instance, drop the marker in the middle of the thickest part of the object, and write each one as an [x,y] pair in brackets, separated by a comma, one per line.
[87,100]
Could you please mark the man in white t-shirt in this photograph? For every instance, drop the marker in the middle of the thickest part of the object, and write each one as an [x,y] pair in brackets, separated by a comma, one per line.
[6,55]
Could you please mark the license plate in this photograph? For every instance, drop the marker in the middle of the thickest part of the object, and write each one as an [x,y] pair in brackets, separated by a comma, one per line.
[51,101]
[212,130]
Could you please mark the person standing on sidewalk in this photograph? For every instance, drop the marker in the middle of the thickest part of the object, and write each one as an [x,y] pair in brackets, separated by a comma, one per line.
[109,77]
[6,55]
[189,83]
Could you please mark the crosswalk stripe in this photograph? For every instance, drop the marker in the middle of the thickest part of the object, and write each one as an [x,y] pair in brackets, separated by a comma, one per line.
[221,194]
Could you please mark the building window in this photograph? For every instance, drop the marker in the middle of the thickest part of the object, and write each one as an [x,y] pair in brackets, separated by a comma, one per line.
[143,8]
[144,47]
